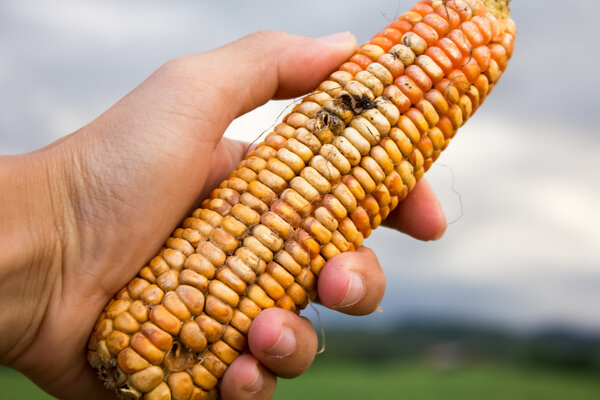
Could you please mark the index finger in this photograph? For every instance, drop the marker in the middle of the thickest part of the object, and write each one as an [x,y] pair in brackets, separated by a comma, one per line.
[420,215]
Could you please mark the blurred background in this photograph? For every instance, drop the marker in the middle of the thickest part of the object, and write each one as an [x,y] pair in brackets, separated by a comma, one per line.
[506,305]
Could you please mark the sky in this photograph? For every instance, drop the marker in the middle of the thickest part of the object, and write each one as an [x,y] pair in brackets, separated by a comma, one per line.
[523,251]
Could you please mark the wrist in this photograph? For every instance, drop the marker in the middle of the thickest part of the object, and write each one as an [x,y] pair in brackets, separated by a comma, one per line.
[30,263]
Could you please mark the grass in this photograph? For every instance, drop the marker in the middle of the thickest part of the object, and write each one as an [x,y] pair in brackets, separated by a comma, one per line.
[14,386]
[337,380]
[414,381]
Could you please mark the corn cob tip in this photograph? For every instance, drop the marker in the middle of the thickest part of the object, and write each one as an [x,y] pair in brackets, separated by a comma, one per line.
[498,8]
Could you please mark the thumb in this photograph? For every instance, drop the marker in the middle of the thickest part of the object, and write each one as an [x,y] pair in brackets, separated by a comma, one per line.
[271,64]
[231,80]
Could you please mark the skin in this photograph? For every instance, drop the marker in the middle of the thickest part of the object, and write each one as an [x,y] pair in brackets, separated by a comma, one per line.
[81,216]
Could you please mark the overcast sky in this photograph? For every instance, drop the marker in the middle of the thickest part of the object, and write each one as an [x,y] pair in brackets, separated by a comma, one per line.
[526,251]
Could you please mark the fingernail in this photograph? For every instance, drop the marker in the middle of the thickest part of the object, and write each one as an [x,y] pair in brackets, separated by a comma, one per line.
[341,37]
[356,291]
[285,344]
[257,382]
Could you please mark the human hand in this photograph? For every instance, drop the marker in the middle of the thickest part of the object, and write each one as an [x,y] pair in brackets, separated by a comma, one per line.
[100,202]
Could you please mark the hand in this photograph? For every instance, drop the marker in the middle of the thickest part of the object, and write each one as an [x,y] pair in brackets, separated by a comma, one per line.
[85,213]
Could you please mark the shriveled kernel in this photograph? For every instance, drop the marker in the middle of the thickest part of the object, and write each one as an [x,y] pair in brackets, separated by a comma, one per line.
[415,42]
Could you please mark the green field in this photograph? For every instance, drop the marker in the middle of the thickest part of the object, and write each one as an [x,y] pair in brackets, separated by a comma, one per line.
[336,380]
[413,381]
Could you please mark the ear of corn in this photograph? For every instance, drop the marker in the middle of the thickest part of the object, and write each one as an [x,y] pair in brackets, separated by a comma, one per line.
[328,175]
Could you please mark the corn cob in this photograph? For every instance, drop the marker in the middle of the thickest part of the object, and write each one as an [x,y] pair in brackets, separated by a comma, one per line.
[336,167]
